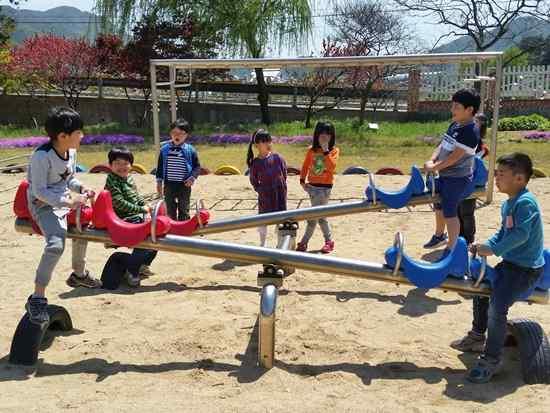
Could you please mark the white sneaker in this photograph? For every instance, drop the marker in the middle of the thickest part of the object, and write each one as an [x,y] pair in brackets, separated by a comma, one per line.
[145,271]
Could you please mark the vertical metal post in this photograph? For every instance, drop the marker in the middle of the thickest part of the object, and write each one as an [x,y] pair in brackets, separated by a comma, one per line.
[266,330]
[483,87]
[494,130]
[173,103]
[155,107]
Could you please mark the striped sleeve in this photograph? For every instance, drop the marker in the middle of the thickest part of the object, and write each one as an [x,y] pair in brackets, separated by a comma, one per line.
[121,206]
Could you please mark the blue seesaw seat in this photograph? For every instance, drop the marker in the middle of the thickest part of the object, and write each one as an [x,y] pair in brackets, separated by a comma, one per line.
[399,199]
[430,275]
[491,275]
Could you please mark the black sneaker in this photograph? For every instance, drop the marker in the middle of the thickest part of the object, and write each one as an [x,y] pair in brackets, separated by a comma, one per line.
[37,309]
[87,281]
[436,241]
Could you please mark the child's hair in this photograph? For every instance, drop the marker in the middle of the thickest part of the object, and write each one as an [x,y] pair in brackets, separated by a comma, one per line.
[181,124]
[62,120]
[324,127]
[467,98]
[483,121]
[261,135]
[519,163]
[121,152]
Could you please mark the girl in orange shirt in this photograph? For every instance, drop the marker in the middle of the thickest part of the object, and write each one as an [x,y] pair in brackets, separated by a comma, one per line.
[318,167]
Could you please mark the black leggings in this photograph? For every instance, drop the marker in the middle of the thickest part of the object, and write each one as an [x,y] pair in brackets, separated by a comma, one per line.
[467,219]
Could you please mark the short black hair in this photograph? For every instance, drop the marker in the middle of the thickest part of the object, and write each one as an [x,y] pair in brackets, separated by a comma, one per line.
[121,152]
[518,162]
[467,98]
[62,120]
[181,124]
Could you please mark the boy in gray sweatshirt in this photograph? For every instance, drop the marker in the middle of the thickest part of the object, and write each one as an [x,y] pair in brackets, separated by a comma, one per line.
[51,180]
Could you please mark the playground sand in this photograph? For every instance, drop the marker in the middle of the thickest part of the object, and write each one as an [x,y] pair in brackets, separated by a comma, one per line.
[185,340]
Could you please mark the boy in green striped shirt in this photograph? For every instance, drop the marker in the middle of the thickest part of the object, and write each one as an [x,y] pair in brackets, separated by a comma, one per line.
[128,204]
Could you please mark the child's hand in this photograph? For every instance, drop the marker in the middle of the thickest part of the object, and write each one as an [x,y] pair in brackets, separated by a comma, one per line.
[429,166]
[90,193]
[77,201]
[481,249]
[190,181]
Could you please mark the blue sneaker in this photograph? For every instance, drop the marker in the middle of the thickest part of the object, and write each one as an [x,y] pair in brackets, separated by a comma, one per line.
[436,241]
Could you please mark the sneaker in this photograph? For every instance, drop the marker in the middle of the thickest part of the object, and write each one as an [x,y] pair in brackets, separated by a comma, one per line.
[301,247]
[328,247]
[86,281]
[145,271]
[132,280]
[470,343]
[37,309]
[484,370]
[436,241]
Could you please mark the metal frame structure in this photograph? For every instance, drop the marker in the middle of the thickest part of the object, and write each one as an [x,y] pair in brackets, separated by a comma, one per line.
[332,62]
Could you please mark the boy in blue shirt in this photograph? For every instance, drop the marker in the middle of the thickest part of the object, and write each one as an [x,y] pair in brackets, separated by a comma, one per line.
[177,169]
[454,161]
[520,244]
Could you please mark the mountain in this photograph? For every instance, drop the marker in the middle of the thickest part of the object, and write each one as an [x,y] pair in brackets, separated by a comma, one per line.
[520,28]
[63,21]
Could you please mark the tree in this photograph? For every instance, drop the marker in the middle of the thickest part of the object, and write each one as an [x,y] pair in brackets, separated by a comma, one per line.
[248,26]
[57,63]
[367,28]
[178,37]
[537,48]
[484,21]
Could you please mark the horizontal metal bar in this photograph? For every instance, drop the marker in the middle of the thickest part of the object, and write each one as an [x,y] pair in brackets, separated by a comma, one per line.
[302,214]
[259,255]
[348,61]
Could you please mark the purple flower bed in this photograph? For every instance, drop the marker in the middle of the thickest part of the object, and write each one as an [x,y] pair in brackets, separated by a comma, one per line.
[537,135]
[115,139]
[236,139]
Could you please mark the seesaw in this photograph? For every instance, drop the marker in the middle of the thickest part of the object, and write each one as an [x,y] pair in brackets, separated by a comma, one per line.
[279,263]
[417,187]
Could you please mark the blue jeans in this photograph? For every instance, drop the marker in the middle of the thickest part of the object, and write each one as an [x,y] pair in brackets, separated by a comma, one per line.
[490,314]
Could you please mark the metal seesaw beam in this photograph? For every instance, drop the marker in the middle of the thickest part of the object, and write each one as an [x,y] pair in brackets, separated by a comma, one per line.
[302,214]
[304,261]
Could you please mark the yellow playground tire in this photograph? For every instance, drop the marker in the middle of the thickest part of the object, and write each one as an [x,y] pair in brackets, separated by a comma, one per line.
[227,170]
[539,173]
[140,169]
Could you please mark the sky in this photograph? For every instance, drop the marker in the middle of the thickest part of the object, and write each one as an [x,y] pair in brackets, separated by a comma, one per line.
[427,31]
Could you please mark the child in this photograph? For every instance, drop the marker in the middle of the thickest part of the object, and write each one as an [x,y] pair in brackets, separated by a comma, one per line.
[178,168]
[454,160]
[128,205]
[466,208]
[520,244]
[319,166]
[51,180]
[267,176]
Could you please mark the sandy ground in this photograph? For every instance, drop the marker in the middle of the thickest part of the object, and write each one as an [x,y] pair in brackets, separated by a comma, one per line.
[186,339]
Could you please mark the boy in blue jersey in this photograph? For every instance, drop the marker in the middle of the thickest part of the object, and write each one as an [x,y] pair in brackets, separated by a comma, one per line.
[454,161]
[177,169]
[520,244]
[51,177]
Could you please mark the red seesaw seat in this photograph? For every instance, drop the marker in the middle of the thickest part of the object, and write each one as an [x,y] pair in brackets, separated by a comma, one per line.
[121,232]
[127,234]
[21,209]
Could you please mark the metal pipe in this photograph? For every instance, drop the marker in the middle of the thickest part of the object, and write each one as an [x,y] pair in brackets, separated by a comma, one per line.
[346,61]
[494,131]
[266,324]
[173,103]
[284,243]
[331,210]
[259,255]
[155,107]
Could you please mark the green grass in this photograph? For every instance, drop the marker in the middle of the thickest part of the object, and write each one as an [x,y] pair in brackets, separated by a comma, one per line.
[394,144]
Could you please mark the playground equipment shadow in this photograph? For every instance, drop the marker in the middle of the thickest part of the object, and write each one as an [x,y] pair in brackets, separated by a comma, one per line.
[415,304]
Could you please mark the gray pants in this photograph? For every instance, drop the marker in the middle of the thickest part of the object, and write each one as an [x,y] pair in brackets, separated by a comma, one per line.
[317,196]
[54,230]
